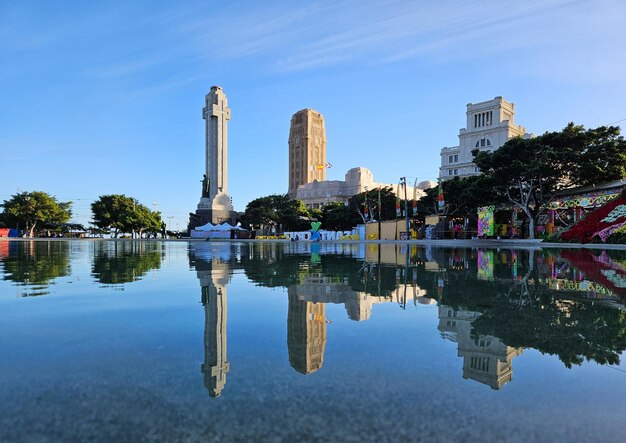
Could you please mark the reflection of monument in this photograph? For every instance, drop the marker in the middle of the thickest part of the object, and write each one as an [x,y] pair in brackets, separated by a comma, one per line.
[486,359]
[306,334]
[216,365]
[215,205]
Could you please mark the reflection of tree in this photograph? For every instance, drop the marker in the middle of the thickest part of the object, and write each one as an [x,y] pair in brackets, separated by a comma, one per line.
[525,312]
[36,263]
[124,262]
[572,330]
[285,270]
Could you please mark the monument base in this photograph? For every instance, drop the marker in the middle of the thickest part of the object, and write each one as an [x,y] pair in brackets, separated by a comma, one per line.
[216,211]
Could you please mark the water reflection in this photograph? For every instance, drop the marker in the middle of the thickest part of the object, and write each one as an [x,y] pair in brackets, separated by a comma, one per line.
[492,303]
[34,265]
[118,262]
[306,333]
[486,359]
[214,266]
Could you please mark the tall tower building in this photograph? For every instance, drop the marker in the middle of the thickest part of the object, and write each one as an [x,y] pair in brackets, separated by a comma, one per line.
[307,149]
[306,333]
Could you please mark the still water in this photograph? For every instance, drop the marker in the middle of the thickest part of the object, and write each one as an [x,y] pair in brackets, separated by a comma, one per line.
[218,341]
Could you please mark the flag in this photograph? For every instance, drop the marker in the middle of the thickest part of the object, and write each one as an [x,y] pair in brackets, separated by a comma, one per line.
[440,200]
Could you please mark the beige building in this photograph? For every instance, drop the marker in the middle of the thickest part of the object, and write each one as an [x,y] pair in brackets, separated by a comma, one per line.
[489,125]
[319,193]
[486,359]
[307,149]
[306,333]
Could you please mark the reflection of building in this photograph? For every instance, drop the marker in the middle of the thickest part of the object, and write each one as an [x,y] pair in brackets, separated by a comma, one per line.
[316,194]
[321,289]
[216,365]
[489,125]
[486,359]
[306,334]
[307,149]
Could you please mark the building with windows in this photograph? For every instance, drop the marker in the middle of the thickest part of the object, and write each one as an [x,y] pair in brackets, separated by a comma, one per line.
[489,125]
[486,359]
[307,149]
[317,194]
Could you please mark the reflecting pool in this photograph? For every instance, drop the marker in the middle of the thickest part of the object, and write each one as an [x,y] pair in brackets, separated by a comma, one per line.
[223,341]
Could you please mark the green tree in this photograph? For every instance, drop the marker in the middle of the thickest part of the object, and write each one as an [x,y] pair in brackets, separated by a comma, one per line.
[120,213]
[530,172]
[462,196]
[338,216]
[279,211]
[30,209]
[386,210]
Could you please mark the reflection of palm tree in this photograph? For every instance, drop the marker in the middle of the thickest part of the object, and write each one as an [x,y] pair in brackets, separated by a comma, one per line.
[35,264]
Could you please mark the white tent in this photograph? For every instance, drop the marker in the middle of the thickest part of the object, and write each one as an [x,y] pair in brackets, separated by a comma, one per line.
[208,227]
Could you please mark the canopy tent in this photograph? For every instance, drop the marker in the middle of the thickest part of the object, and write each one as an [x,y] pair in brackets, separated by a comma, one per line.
[208,227]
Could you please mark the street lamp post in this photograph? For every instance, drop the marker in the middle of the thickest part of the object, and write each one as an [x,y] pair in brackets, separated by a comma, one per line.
[406,208]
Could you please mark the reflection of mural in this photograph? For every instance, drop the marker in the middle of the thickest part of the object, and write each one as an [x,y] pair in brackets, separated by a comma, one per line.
[485,264]
[598,268]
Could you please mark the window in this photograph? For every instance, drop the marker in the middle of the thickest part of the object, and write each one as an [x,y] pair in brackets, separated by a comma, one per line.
[456,171]
[483,142]
[449,159]
[449,171]
[456,158]
[480,363]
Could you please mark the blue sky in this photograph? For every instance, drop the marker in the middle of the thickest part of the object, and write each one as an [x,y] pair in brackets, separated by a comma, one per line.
[106,97]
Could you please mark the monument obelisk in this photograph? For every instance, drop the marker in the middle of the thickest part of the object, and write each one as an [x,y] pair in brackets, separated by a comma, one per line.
[215,205]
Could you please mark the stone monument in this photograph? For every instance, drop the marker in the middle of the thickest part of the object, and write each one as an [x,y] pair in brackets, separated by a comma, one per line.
[215,205]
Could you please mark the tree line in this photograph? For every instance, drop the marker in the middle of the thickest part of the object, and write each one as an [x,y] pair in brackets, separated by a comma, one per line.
[115,214]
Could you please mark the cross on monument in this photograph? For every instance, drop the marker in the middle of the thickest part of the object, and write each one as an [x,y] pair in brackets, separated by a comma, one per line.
[215,205]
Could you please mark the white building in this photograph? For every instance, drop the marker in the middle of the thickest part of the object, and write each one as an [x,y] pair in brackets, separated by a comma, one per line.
[319,193]
[489,125]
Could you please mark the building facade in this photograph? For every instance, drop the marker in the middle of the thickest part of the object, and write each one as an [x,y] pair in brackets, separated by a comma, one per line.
[319,193]
[307,149]
[489,125]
